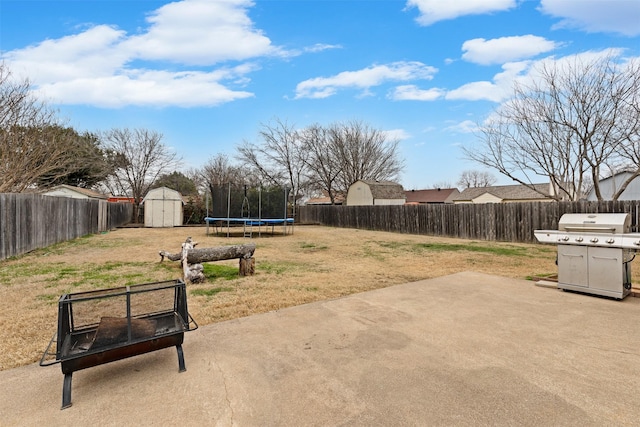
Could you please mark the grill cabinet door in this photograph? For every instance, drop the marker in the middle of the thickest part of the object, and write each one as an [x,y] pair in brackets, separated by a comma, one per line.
[572,265]
[605,269]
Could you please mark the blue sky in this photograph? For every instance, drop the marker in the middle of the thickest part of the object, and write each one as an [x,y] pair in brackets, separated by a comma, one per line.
[208,73]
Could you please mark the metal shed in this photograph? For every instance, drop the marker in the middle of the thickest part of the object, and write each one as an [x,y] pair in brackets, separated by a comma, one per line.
[162,208]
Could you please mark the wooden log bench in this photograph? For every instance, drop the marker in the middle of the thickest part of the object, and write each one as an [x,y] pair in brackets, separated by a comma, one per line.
[192,258]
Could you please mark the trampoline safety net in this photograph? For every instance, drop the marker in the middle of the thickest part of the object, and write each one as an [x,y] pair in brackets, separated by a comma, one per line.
[229,201]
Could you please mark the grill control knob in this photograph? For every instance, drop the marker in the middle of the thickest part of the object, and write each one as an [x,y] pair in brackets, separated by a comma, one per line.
[579,239]
[611,241]
[594,240]
[565,238]
[637,243]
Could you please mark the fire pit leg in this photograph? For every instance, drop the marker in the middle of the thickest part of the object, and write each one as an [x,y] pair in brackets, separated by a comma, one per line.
[66,391]
[181,365]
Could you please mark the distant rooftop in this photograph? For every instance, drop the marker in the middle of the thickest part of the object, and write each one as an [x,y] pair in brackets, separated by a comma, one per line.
[435,195]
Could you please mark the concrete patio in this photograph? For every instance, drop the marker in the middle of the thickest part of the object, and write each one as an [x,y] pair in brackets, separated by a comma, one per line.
[465,349]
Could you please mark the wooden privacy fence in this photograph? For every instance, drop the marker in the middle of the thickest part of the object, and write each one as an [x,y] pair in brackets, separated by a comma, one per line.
[507,222]
[32,221]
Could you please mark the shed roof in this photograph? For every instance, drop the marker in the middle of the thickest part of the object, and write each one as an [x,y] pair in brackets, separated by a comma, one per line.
[385,189]
[163,193]
[505,192]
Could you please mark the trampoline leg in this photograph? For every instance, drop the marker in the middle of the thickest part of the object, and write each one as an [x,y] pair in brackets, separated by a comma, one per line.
[66,391]
[181,366]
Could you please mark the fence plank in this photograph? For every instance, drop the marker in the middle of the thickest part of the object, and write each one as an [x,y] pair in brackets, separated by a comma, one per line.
[510,222]
[32,221]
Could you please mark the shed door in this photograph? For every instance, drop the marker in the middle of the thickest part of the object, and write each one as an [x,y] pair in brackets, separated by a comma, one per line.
[167,211]
[157,213]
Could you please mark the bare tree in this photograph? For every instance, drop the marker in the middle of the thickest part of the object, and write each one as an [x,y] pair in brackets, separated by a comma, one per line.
[33,143]
[364,153]
[323,161]
[476,178]
[279,159]
[140,158]
[577,119]
[441,185]
[327,159]
[219,171]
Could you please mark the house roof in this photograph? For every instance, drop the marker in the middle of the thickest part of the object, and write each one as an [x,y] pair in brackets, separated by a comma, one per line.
[435,195]
[385,189]
[84,191]
[504,192]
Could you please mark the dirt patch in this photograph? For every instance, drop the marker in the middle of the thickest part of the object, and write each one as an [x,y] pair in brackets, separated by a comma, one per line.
[315,263]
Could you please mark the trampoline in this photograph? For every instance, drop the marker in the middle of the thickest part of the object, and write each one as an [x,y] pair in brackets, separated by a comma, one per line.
[251,210]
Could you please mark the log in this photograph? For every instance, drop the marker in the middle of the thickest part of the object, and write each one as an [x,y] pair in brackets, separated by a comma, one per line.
[192,258]
[200,255]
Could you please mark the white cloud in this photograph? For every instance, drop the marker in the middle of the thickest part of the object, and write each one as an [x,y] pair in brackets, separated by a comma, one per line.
[466,126]
[505,49]
[323,87]
[612,16]
[95,66]
[500,88]
[413,93]
[432,11]
[94,52]
[396,134]
[146,88]
[319,47]
[497,90]
[201,32]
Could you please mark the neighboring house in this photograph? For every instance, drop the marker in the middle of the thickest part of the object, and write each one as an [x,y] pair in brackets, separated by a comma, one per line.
[367,193]
[504,194]
[74,192]
[436,195]
[163,208]
[608,186]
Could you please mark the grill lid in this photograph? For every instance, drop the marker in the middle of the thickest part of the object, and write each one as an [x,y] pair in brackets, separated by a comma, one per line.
[595,222]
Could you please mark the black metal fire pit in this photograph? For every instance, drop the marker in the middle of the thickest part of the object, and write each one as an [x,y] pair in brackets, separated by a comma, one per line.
[102,326]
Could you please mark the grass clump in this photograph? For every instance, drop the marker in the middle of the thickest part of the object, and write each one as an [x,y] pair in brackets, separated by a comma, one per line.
[278,267]
[219,271]
[473,247]
[312,246]
[209,292]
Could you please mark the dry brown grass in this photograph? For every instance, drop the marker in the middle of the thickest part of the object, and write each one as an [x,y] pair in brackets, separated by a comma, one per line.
[315,263]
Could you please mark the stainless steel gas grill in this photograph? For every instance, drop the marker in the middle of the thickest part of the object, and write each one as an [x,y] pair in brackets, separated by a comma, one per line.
[594,253]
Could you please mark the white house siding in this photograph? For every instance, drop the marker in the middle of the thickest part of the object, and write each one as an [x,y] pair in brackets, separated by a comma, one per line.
[487,198]
[387,202]
[65,192]
[609,186]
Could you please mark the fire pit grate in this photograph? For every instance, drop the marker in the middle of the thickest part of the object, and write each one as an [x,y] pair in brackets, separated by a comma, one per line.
[102,326]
